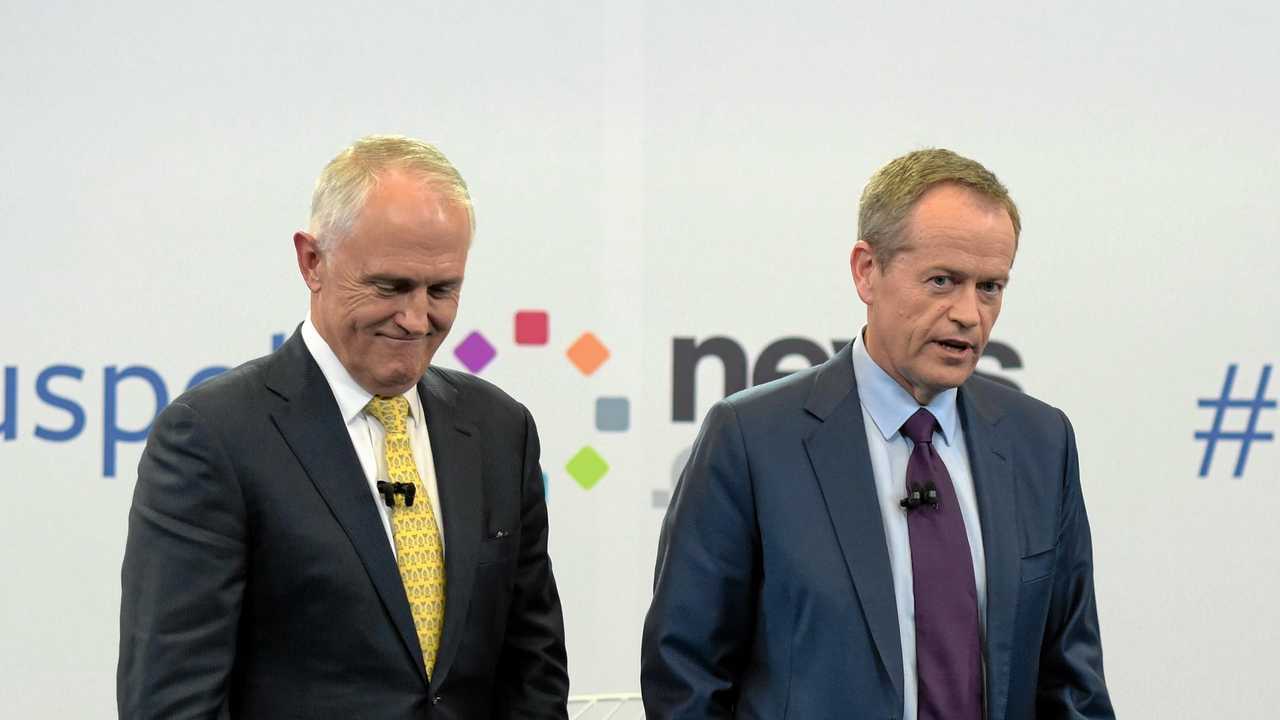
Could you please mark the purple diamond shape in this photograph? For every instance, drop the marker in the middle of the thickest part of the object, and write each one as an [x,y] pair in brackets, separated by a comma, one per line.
[474,352]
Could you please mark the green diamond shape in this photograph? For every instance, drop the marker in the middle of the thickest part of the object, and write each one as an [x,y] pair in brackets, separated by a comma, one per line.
[587,467]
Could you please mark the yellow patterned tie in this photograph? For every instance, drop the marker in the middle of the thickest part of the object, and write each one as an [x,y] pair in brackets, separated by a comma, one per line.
[418,549]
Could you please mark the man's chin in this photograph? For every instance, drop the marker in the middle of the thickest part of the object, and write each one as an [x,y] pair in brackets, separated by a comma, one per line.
[952,378]
[395,383]
[946,378]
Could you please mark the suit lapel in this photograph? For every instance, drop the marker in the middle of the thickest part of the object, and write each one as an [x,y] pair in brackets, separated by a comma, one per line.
[989,459]
[455,449]
[311,424]
[838,451]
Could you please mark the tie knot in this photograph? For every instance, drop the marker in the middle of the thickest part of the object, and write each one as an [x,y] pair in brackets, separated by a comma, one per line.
[920,426]
[390,411]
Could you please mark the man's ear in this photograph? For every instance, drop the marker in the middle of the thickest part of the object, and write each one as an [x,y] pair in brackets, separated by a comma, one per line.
[865,269]
[309,258]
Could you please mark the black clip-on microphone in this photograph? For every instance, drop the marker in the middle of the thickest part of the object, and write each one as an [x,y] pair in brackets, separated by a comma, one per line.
[920,496]
[390,490]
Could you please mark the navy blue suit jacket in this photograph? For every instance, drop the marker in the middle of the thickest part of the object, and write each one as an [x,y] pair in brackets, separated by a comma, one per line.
[774,598]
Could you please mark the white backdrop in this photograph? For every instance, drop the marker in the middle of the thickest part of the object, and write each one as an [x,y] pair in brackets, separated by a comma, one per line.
[647,171]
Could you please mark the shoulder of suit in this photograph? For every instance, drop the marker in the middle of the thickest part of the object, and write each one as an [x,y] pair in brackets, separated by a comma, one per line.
[1015,406]
[473,391]
[790,392]
[231,391]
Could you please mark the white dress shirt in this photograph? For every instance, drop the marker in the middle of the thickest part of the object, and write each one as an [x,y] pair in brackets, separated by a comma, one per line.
[885,407]
[367,434]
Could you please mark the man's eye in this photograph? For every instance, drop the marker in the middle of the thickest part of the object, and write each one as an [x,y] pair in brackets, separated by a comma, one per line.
[940,281]
[991,288]
[385,288]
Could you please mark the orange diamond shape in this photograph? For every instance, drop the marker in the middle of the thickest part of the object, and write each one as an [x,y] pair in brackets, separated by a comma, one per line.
[587,353]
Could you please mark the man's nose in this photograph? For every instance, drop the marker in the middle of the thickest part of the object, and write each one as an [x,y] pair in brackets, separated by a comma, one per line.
[964,311]
[415,316]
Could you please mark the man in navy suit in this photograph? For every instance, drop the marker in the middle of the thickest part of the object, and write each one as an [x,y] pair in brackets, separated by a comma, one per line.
[886,535]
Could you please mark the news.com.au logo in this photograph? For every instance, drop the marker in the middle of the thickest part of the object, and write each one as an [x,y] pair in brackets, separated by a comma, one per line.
[1245,408]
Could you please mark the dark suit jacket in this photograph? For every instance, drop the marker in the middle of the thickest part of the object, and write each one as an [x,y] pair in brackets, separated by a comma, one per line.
[258,576]
[774,597]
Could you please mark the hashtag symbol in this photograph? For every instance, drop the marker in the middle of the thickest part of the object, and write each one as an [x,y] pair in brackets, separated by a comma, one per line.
[1250,434]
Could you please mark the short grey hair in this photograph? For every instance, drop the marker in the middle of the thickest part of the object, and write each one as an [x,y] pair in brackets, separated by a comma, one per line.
[892,192]
[345,183]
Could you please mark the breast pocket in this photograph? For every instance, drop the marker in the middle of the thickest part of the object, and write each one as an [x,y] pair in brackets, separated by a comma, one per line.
[1038,566]
[496,550]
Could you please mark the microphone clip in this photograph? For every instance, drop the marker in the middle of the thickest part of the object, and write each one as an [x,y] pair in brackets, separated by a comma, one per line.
[927,495]
[390,490]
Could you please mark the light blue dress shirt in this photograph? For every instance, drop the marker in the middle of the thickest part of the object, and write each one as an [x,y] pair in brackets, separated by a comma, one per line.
[886,405]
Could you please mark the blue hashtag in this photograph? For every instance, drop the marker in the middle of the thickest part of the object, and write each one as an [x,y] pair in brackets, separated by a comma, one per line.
[1255,404]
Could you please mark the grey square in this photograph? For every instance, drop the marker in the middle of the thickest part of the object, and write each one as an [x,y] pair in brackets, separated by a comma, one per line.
[613,414]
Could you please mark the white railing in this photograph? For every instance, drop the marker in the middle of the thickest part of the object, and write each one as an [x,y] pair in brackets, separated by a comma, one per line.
[611,706]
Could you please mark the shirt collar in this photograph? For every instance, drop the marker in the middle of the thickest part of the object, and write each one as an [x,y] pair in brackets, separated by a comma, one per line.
[889,404]
[351,397]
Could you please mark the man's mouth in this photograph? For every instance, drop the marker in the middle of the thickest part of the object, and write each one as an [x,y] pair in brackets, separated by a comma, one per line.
[954,346]
[404,339]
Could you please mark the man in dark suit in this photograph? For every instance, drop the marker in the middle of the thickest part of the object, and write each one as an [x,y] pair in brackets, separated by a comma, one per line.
[885,535]
[340,530]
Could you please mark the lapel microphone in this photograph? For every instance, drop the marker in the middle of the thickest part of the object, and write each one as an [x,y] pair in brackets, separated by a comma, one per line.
[390,490]
[928,496]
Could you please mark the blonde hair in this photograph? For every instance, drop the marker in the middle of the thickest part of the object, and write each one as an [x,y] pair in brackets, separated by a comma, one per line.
[345,183]
[891,193]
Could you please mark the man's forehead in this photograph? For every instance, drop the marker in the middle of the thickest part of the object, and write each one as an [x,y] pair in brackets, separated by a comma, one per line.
[957,253]
[408,265]
[950,207]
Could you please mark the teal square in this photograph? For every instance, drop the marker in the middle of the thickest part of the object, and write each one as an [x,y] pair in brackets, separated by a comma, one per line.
[613,414]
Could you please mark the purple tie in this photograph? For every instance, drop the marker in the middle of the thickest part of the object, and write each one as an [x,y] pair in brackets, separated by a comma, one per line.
[948,652]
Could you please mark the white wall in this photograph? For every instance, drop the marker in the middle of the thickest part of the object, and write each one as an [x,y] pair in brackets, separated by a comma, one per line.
[648,171]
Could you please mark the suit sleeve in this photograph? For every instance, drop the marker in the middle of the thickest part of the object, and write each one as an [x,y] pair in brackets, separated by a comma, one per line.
[183,575]
[533,676]
[1071,684]
[698,632]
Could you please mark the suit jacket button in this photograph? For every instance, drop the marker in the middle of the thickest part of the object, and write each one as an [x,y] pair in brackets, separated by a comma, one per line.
[435,700]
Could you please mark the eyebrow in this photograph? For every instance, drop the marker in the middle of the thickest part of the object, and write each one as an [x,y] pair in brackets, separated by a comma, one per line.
[943,270]
[383,279]
[405,280]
